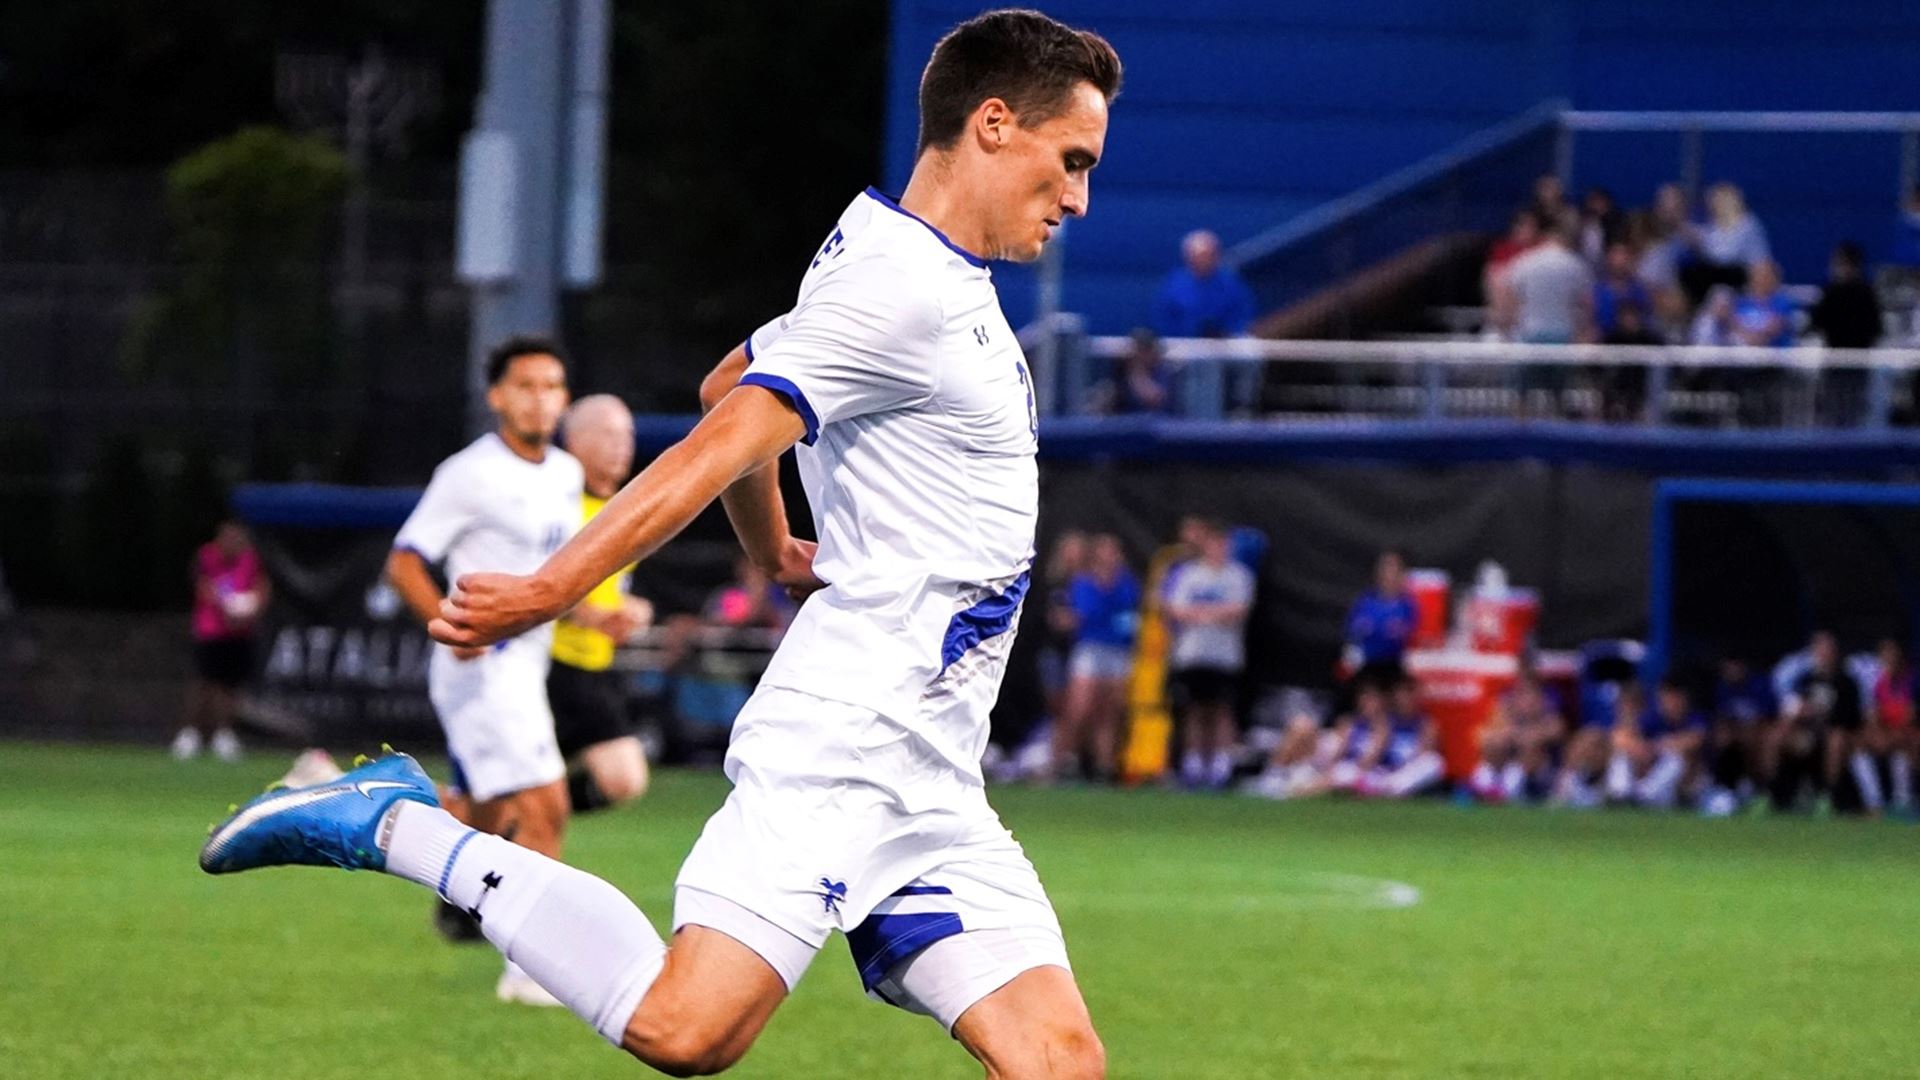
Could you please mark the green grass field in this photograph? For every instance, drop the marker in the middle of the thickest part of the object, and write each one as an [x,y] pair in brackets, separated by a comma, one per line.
[1214,937]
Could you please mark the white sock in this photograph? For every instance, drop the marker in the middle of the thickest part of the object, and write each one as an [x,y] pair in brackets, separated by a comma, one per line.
[1483,778]
[1902,781]
[1619,777]
[1513,780]
[1192,770]
[1662,782]
[576,935]
[1868,778]
[1415,776]
[1220,769]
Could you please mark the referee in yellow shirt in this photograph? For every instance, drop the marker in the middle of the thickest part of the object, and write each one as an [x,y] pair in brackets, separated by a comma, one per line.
[607,764]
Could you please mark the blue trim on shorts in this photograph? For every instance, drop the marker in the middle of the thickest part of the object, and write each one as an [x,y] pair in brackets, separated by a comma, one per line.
[786,389]
[884,940]
[458,781]
[924,890]
[987,619]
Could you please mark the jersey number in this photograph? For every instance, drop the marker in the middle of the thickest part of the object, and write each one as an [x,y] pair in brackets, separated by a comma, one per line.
[830,249]
[1033,411]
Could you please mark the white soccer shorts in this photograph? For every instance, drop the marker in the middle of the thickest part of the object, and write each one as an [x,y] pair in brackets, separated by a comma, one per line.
[842,820]
[499,727]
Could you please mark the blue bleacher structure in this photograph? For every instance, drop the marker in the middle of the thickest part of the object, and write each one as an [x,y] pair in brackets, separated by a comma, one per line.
[1240,115]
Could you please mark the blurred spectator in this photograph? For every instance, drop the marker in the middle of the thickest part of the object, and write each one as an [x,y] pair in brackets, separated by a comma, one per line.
[751,600]
[1381,622]
[1589,749]
[1550,206]
[1620,297]
[1547,297]
[1632,326]
[1141,383]
[1657,752]
[1764,313]
[1893,732]
[1106,605]
[1664,236]
[1523,232]
[1848,312]
[1203,298]
[1743,709]
[1068,560]
[1820,718]
[1730,244]
[1310,761]
[1716,324]
[1410,764]
[1601,224]
[229,591]
[1208,604]
[1519,745]
[1906,233]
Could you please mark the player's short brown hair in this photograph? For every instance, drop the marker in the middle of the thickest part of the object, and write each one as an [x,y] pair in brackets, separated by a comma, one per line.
[1022,57]
[502,356]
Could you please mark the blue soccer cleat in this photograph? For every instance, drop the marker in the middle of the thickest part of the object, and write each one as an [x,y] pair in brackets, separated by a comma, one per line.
[332,824]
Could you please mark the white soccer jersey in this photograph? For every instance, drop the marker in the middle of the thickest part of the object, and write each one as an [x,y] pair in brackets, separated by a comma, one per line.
[489,509]
[918,462]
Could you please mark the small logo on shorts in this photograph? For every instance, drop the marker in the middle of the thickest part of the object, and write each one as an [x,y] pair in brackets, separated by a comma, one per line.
[830,894]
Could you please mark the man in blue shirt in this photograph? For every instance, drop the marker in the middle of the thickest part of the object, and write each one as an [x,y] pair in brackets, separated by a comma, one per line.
[1657,753]
[1203,298]
[1764,314]
[1382,621]
[1105,599]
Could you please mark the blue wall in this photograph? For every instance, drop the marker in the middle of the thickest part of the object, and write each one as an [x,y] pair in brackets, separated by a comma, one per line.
[1238,114]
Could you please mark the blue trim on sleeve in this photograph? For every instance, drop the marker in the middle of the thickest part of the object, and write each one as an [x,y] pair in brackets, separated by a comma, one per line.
[785,388]
[748,346]
[885,200]
[987,619]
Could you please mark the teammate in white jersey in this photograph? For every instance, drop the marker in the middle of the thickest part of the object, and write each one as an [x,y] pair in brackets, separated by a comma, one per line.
[509,499]
[858,803]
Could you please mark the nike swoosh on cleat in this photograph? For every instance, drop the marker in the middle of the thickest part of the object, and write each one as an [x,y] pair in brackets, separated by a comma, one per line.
[290,801]
[368,787]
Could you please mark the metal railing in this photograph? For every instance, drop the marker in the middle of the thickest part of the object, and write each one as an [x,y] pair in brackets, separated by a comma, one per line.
[1717,386]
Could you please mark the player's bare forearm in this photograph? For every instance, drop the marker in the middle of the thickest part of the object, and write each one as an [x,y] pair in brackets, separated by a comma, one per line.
[752,427]
[753,503]
[408,574]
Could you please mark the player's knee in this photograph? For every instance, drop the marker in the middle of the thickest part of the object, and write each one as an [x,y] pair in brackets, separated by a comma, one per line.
[623,782]
[1076,1053]
[681,1049]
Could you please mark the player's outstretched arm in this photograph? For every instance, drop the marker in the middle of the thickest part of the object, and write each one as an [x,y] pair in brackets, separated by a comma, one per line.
[748,430]
[753,502]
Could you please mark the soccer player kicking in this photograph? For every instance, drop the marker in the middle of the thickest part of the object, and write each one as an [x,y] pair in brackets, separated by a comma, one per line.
[858,803]
[506,501]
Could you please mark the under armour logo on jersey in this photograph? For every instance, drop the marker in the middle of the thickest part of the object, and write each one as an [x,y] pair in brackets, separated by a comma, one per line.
[980,334]
[832,892]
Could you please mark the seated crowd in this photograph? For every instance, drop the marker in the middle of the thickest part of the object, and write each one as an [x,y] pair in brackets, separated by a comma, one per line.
[1822,731]
[1594,273]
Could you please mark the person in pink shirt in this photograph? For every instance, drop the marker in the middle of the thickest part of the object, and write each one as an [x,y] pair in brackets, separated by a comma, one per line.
[229,592]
